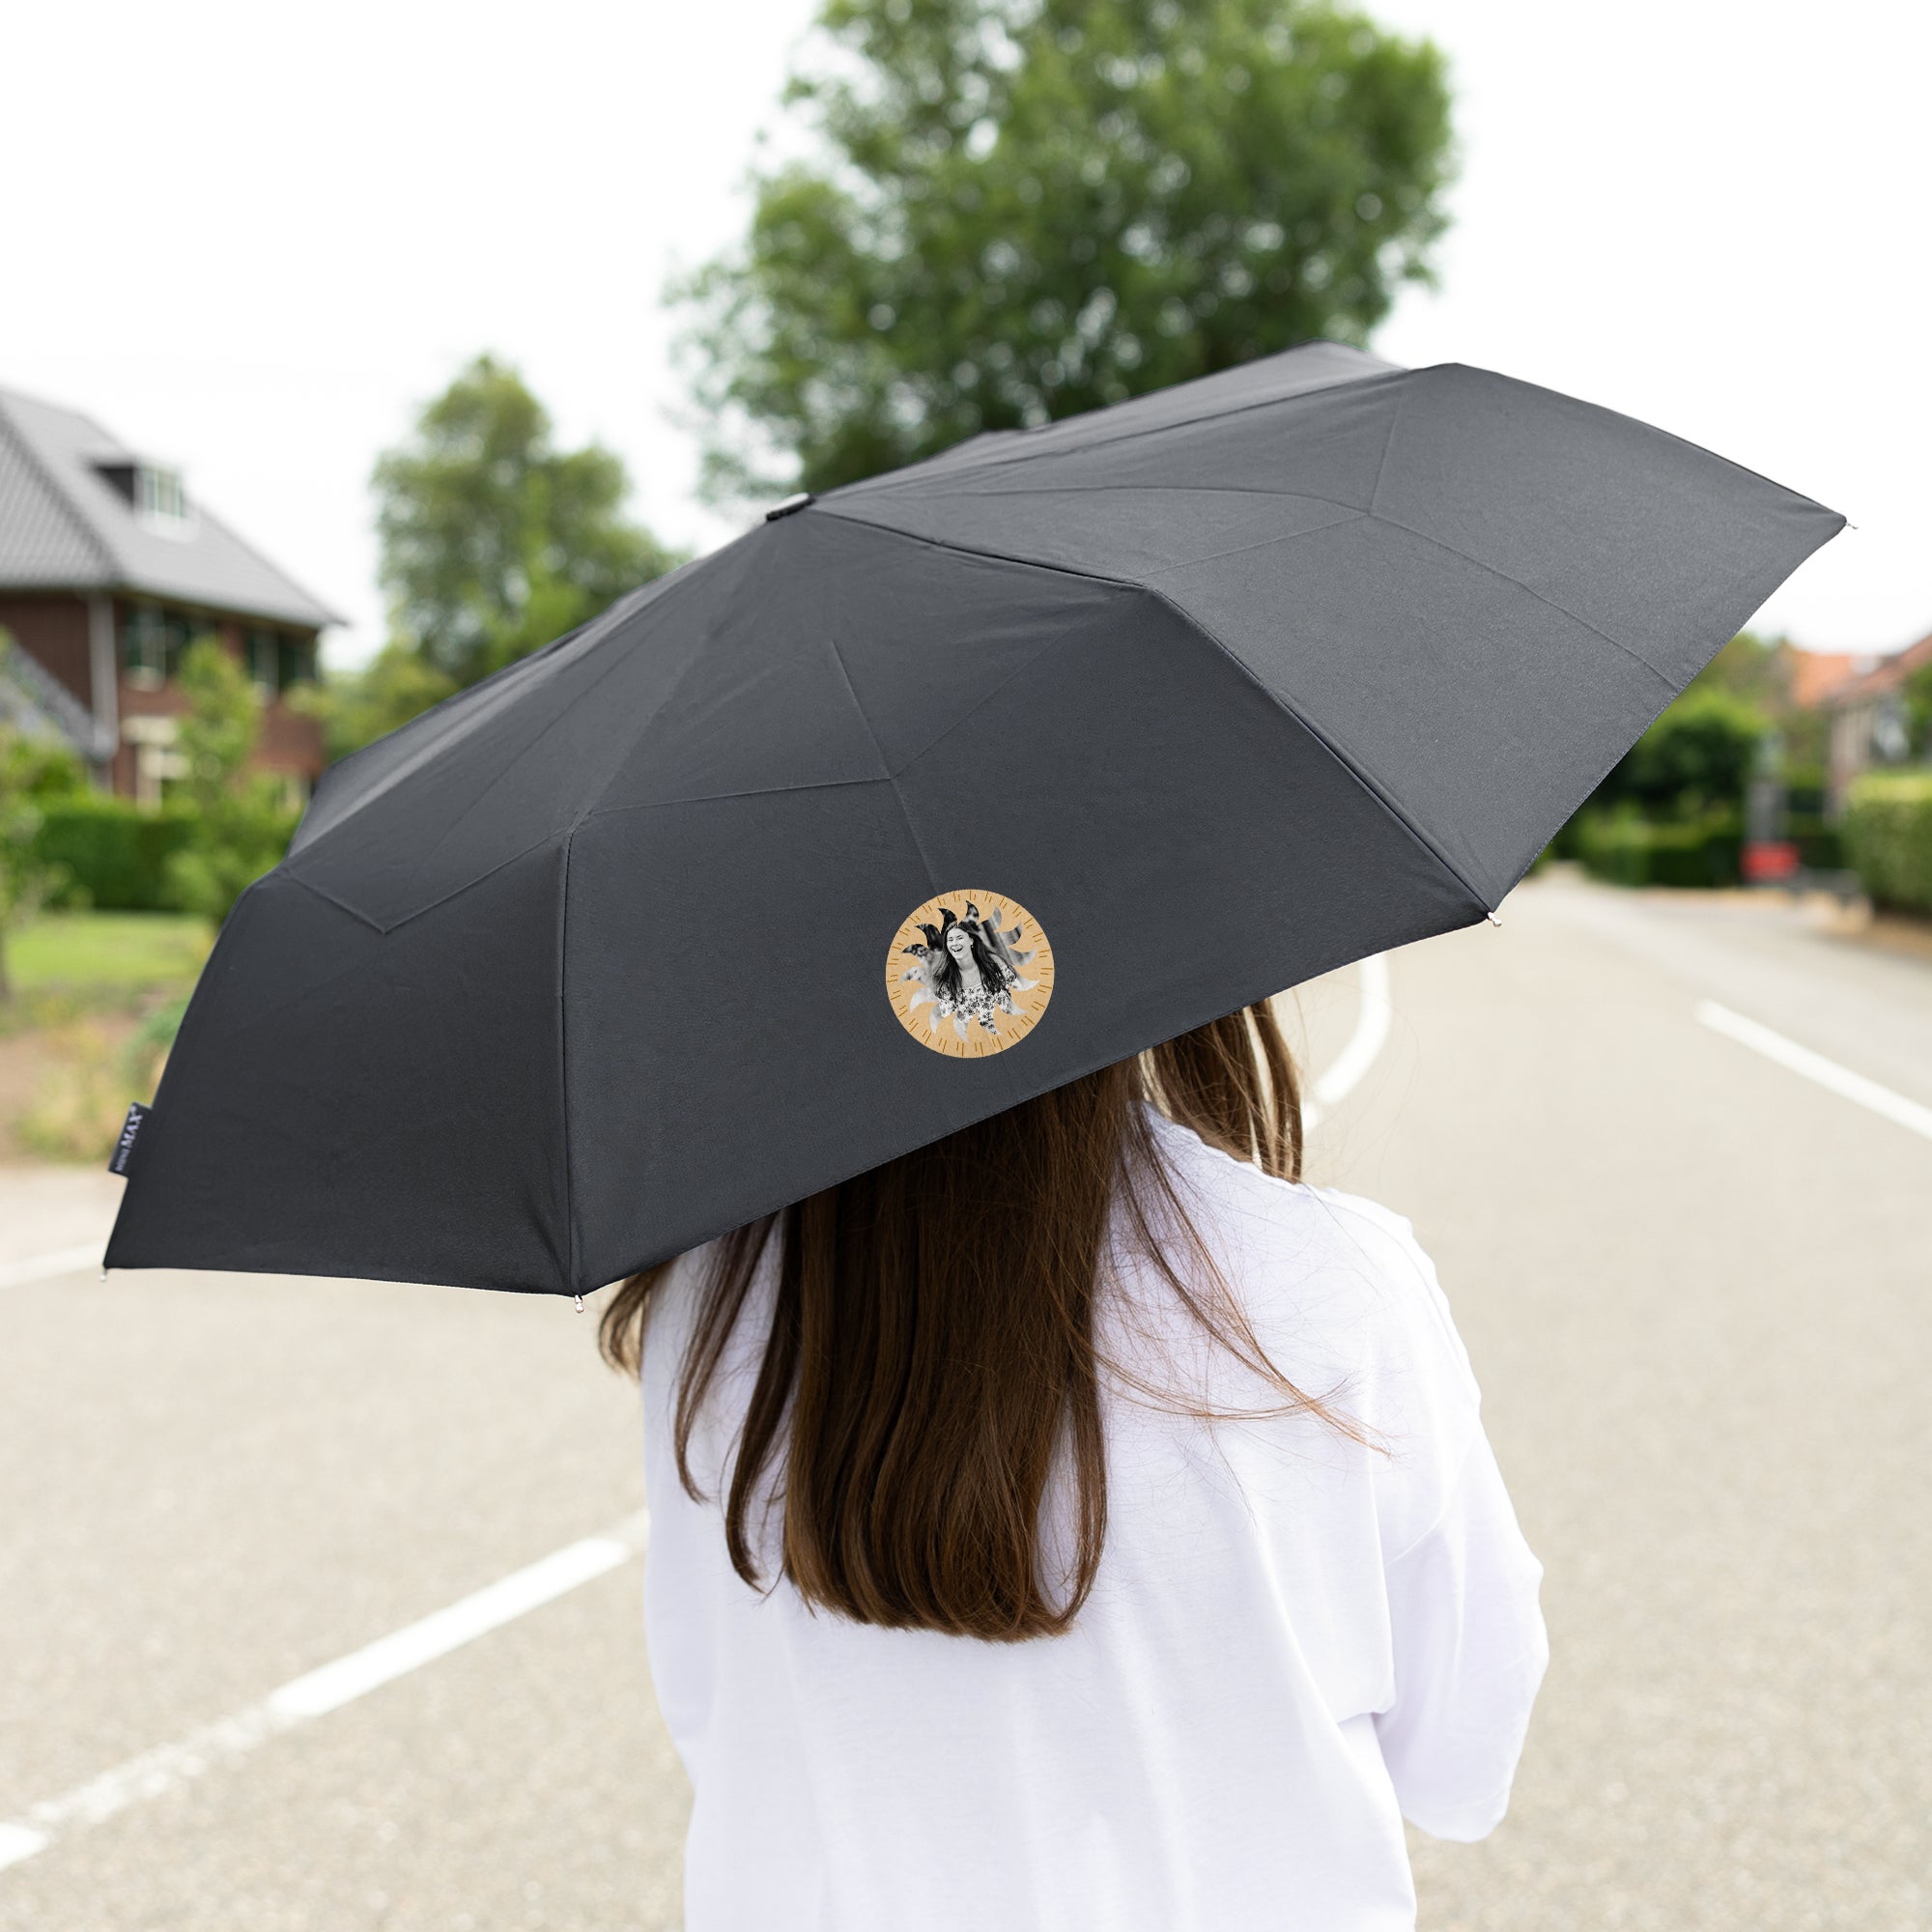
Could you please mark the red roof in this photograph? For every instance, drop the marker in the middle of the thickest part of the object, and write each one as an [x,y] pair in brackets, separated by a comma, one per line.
[1885,675]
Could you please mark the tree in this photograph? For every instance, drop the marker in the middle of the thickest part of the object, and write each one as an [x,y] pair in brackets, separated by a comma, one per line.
[1695,757]
[1024,209]
[358,707]
[33,771]
[1749,669]
[493,541]
[242,826]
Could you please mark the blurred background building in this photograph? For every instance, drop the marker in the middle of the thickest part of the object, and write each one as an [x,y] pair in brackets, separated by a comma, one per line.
[108,568]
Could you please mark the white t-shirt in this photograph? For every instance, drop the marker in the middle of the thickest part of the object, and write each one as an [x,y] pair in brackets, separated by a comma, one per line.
[1294,1642]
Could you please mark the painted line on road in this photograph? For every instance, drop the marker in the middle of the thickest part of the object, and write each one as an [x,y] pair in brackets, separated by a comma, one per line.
[165,1768]
[1827,1073]
[1373,1018]
[50,1267]
[154,1773]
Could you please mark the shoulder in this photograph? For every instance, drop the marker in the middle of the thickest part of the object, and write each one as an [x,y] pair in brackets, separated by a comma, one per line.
[1319,1263]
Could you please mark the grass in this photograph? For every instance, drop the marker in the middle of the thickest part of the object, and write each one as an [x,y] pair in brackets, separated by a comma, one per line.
[108,952]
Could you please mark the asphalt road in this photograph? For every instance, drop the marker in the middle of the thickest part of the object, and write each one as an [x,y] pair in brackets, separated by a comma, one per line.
[1696,1287]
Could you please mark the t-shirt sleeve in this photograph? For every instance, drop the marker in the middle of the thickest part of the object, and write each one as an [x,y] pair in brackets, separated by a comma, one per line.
[1467,1643]
[1469,1652]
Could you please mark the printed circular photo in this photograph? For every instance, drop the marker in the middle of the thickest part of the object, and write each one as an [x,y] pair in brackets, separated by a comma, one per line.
[969,974]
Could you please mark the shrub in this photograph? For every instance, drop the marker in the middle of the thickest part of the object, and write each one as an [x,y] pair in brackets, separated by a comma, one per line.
[229,846]
[1696,756]
[114,855]
[1888,837]
[1629,850]
[239,827]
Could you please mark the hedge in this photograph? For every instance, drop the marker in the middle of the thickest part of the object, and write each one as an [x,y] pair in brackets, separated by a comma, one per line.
[1888,837]
[1633,851]
[114,855]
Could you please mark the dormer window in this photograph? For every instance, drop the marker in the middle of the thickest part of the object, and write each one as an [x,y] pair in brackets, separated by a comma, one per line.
[153,493]
[160,496]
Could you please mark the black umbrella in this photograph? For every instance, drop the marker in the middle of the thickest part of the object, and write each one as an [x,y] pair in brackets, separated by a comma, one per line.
[929,795]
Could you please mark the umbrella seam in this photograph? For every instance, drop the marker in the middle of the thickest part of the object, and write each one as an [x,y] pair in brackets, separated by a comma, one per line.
[1549,603]
[1388,441]
[1202,629]
[1348,763]
[533,666]
[1121,489]
[1029,455]
[409,918]
[565,714]
[1349,515]
[885,765]
[1376,515]
[746,791]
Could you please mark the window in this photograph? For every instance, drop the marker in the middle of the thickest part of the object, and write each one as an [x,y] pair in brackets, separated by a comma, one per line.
[144,647]
[160,496]
[295,663]
[154,494]
[152,642]
[262,650]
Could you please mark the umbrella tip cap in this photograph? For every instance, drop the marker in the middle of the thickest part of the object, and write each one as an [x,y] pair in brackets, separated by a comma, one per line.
[790,503]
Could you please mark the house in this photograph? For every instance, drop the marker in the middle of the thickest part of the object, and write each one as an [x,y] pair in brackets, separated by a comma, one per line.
[1868,722]
[108,568]
[1815,675]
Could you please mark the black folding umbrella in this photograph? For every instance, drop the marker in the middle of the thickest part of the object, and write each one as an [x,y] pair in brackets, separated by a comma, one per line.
[929,795]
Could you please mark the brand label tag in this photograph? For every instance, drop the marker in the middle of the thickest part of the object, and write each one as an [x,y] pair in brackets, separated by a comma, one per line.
[124,1148]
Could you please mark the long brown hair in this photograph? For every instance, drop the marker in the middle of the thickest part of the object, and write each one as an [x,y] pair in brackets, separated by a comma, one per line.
[933,1338]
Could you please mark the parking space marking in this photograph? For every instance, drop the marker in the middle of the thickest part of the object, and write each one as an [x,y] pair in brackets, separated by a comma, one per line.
[1826,1073]
[156,1771]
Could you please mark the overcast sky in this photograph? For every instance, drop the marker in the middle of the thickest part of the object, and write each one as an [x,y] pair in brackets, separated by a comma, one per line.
[254,239]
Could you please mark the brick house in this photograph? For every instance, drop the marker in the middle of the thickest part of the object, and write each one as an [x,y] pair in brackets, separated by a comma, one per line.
[1868,717]
[109,570]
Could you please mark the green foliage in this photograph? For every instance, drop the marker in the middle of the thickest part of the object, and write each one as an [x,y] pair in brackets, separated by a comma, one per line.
[1751,670]
[114,856]
[34,773]
[1915,693]
[1887,835]
[222,725]
[1695,757]
[495,541]
[1629,849]
[1024,209]
[356,708]
[239,827]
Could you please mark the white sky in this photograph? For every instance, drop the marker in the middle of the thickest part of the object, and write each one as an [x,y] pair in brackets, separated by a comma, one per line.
[254,239]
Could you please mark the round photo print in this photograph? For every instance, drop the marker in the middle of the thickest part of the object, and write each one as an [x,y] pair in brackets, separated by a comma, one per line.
[969,974]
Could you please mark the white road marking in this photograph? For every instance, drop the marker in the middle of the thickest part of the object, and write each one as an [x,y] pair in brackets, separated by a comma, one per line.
[1827,1073]
[389,1657]
[48,1267]
[1371,1030]
[161,1769]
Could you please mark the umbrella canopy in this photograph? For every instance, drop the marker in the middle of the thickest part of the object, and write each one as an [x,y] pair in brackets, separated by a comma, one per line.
[929,795]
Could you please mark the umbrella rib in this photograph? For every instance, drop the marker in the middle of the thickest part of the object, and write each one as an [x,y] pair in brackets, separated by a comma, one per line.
[1077,489]
[885,766]
[1233,657]
[881,485]
[1516,583]
[1362,778]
